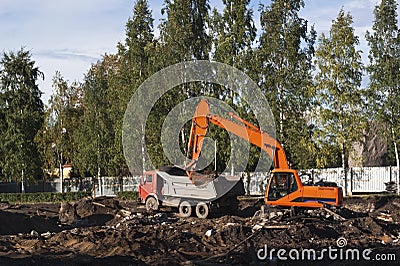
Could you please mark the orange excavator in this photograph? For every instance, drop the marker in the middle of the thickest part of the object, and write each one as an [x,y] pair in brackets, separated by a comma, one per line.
[285,188]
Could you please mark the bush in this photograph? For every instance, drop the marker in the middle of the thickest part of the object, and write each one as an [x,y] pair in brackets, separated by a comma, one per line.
[42,197]
[128,195]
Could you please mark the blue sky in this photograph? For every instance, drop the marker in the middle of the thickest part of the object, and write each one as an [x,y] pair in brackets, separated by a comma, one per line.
[70,35]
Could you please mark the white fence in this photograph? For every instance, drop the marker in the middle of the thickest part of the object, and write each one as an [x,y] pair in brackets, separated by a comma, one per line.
[358,180]
[105,185]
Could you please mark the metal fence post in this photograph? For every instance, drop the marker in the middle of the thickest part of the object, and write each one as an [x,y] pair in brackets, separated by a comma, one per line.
[351,181]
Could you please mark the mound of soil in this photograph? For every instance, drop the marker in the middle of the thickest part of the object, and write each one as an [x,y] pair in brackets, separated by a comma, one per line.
[89,211]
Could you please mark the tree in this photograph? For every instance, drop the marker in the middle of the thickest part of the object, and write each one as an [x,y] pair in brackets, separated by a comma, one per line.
[22,111]
[135,53]
[96,133]
[56,140]
[284,63]
[233,34]
[338,83]
[183,35]
[384,70]
[136,62]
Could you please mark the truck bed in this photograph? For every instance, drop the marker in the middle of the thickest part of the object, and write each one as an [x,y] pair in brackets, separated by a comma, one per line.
[180,186]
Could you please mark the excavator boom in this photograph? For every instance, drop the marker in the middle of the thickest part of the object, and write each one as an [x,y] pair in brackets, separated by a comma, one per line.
[237,126]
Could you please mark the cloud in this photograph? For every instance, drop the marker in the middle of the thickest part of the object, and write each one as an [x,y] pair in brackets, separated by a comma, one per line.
[63,35]
[72,24]
[64,54]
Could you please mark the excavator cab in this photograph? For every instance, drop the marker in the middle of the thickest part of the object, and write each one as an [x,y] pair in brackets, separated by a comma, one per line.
[281,185]
[285,189]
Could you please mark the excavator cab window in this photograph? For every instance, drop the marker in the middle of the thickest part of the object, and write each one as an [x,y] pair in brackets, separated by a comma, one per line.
[281,185]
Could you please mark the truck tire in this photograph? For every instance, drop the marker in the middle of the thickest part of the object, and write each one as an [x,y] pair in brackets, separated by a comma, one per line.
[151,204]
[202,210]
[185,209]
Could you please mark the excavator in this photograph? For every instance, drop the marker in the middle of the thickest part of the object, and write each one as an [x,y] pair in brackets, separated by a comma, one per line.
[284,188]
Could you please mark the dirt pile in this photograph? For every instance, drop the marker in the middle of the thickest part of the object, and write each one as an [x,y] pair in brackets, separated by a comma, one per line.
[164,238]
[91,211]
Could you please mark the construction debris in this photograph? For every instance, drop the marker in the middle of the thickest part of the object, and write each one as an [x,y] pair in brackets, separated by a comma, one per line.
[391,187]
[136,237]
[385,217]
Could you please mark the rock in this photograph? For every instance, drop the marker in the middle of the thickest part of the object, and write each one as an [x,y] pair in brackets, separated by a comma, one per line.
[34,233]
[74,231]
[46,235]
[4,205]
[209,233]
[67,214]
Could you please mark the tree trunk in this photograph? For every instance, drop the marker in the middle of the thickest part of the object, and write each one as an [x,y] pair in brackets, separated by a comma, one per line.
[397,161]
[344,168]
[281,115]
[183,138]
[94,186]
[22,182]
[143,149]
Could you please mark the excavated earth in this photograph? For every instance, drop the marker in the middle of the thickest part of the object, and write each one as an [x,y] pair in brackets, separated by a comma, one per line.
[105,231]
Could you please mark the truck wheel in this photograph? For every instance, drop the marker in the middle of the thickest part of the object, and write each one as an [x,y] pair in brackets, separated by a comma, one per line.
[202,210]
[151,204]
[185,209]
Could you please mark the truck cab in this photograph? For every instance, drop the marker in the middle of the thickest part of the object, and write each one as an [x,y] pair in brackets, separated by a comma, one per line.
[151,185]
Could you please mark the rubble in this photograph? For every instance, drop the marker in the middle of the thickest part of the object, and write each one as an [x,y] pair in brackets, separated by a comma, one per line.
[209,233]
[391,187]
[139,238]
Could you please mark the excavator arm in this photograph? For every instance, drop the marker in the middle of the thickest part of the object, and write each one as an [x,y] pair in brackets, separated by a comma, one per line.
[236,125]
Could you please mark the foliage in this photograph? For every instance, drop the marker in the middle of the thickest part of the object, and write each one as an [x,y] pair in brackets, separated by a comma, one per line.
[183,34]
[284,65]
[22,114]
[338,83]
[96,132]
[384,70]
[317,121]
[57,138]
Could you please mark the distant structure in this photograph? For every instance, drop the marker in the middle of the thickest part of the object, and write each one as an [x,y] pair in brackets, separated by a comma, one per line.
[373,152]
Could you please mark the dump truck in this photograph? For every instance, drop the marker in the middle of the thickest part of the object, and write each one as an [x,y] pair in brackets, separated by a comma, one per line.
[171,186]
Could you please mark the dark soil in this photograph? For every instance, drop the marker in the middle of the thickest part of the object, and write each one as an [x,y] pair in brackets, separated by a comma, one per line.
[33,234]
